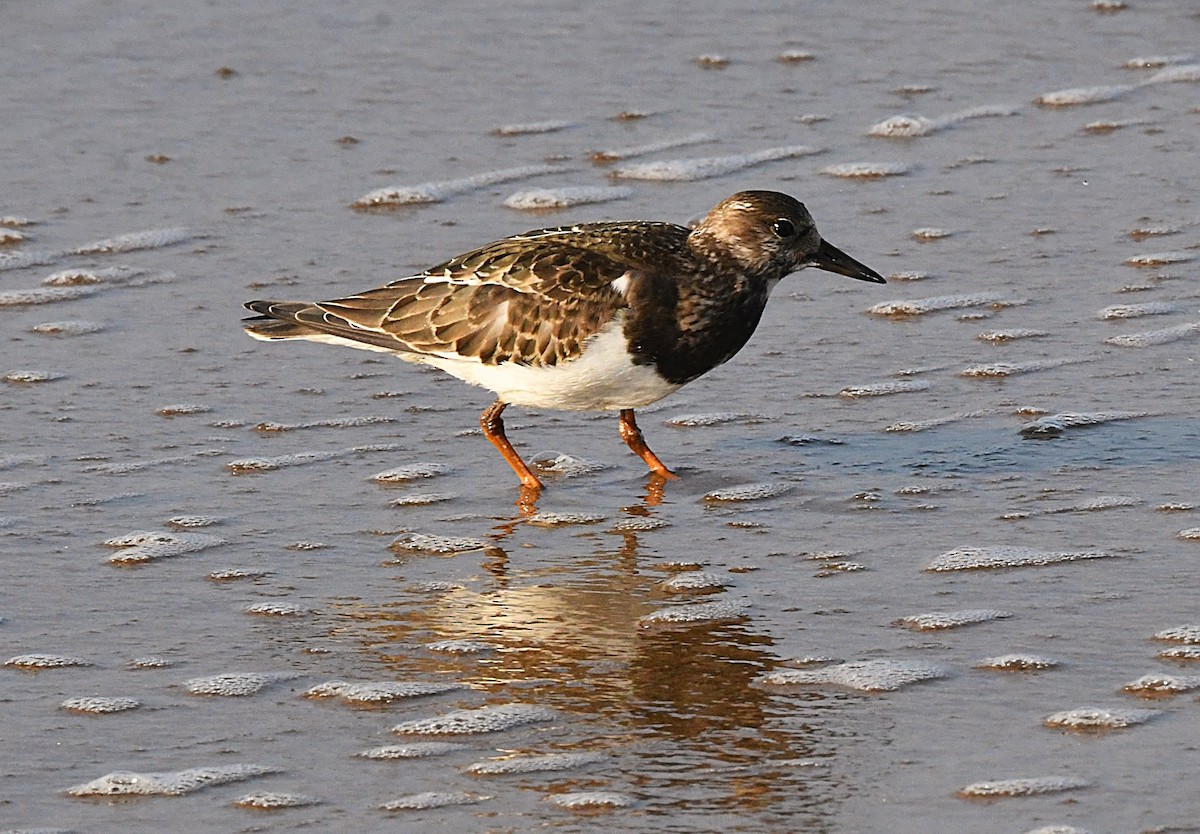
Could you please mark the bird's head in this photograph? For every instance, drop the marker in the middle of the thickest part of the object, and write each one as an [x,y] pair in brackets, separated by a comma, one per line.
[771,234]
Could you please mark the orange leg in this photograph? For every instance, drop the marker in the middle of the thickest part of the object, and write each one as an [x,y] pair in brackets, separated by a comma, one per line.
[493,430]
[632,436]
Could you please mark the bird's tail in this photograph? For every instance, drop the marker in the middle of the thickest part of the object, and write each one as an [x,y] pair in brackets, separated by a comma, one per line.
[275,321]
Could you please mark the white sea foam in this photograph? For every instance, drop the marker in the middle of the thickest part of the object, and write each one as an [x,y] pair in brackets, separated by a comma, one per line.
[699,168]
[615,154]
[149,239]
[538,199]
[435,192]
[905,127]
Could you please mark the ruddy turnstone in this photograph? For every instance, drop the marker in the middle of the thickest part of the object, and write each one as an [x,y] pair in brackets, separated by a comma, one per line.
[592,317]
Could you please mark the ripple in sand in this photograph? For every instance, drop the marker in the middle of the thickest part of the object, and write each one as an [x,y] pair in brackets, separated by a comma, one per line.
[490,719]
[337,423]
[537,763]
[1077,96]
[168,784]
[1189,633]
[590,800]
[151,662]
[883,389]
[114,275]
[235,574]
[1054,425]
[1186,74]
[76,327]
[795,56]
[1132,311]
[140,547]
[1160,259]
[31,377]
[934,422]
[863,675]
[273,801]
[437,545]
[991,558]
[43,295]
[747,492]
[639,524]
[699,613]
[421,499]
[921,306]
[1002,369]
[125,467]
[1022,787]
[564,465]
[276,609]
[1162,686]
[716,418]
[234,684]
[906,127]
[379,692]
[1143,232]
[244,466]
[1106,126]
[546,518]
[41,660]
[1100,502]
[526,128]
[699,168]
[1011,335]
[865,170]
[541,199]
[1097,720]
[435,192]
[99,705]
[460,646]
[941,620]
[412,472]
[191,521]
[615,154]
[132,242]
[1156,61]
[182,409]
[1182,653]
[432,799]
[413,750]
[1155,337]
[928,233]
[696,580]
[1017,663]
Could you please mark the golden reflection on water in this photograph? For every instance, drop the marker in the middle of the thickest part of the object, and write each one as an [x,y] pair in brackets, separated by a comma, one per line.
[677,706]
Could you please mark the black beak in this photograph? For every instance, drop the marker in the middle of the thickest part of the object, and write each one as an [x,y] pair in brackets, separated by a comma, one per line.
[832,259]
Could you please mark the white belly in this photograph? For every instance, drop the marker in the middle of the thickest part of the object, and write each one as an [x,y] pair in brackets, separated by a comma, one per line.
[603,378]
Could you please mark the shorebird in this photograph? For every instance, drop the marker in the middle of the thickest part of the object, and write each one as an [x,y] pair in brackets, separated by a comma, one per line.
[592,317]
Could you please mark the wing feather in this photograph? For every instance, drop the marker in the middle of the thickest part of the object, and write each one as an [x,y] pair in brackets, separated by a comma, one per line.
[534,299]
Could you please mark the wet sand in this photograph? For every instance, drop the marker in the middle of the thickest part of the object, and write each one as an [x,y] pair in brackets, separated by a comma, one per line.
[914,521]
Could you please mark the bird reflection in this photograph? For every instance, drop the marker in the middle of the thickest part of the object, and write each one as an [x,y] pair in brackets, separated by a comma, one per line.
[679,703]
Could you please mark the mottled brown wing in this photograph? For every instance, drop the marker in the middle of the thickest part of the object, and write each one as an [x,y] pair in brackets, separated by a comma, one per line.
[516,300]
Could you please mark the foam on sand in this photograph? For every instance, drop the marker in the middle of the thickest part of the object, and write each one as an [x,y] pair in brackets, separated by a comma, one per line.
[435,192]
[699,168]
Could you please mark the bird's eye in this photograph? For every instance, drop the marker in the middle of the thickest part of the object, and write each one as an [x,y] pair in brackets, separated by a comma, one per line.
[783,228]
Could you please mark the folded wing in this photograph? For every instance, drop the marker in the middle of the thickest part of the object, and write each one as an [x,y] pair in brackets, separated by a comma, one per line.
[534,300]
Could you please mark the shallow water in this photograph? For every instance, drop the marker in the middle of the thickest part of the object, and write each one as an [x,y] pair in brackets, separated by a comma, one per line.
[825,470]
